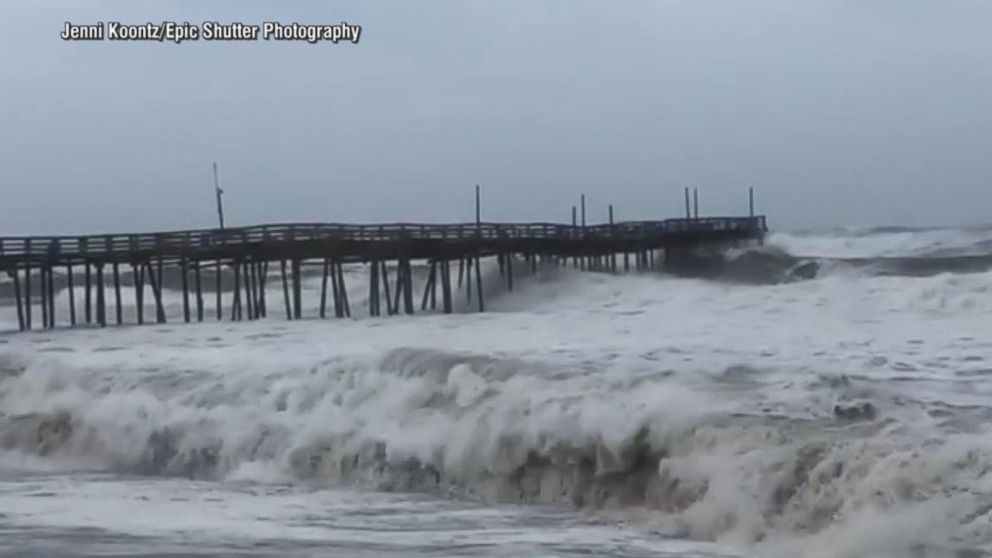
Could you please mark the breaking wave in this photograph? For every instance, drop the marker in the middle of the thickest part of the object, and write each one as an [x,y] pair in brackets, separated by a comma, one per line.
[884,251]
[850,461]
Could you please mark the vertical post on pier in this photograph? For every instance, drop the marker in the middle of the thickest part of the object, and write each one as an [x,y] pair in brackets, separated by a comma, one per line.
[431,274]
[750,201]
[220,284]
[88,301]
[446,286]
[336,291]
[263,271]
[695,202]
[323,292]
[613,253]
[478,282]
[688,213]
[27,296]
[478,246]
[575,259]
[72,294]
[156,284]
[582,201]
[236,292]
[346,307]
[51,295]
[43,285]
[199,290]
[118,310]
[385,288]
[184,269]
[468,279]
[220,204]
[373,289]
[509,271]
[297,290]
[249,290]
[285,289]
[101,300]
[138,274]
[478,208]
[17,296]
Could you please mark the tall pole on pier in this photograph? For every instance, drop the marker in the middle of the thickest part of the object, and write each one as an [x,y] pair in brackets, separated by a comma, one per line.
[688,214]
[583,202]
[478,208]
[219,192]
[750,199]
[695,203]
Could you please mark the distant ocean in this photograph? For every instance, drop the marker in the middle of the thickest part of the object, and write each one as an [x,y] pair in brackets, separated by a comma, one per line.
[828,394]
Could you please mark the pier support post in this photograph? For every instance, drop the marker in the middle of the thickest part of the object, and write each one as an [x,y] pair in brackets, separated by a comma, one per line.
[323,291]
[27,296]
[446,286]
[15,275]
[72,293]
[101,299]
[88,282]
[220,284]
[138,273]
[199,290]
[285,289]
[236,292]
[156,284]
[390,310]
[184,269]
[478,281]
[297,290]
[263,270]
[118,309]
[343,287]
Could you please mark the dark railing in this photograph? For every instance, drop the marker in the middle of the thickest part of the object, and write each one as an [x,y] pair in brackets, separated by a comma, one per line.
[95,245]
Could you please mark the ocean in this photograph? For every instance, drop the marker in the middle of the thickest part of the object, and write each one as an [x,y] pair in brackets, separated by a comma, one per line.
[828,394]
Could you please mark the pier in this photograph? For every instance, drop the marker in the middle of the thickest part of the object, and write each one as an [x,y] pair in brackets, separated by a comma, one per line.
[196,261]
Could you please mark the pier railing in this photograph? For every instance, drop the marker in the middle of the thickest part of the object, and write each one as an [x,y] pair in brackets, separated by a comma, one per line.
[90,246]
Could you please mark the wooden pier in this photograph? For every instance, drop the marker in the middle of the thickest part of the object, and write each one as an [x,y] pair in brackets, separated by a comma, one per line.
[197,261]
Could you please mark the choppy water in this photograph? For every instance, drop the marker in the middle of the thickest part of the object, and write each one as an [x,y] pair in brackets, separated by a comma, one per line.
[828,395]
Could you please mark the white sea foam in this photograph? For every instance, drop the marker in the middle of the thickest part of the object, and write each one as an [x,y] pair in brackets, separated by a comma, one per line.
[709,411]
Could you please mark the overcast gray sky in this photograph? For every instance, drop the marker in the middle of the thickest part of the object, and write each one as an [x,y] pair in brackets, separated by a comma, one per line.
[837,112]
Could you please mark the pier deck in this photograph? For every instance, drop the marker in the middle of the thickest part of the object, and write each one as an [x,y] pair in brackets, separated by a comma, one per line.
[246,252]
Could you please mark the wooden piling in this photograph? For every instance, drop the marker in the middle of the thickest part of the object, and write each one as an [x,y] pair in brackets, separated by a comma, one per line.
[72,294]
[346,306]
[27,296]
[199,290]
[297,290]
[101,300]
[138,273]
[17,298]
[478,281]
[336,291]
[390,309]
[263,270]
[220,285]
[118,309]
[446,286]
[285,289]
[236,292]
[249,290]
[323,291]
[88,312]
[43,287]
[184,269]
[156,284]
[509,272]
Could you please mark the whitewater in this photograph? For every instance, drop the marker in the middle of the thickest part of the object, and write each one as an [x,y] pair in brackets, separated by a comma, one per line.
[828,394]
